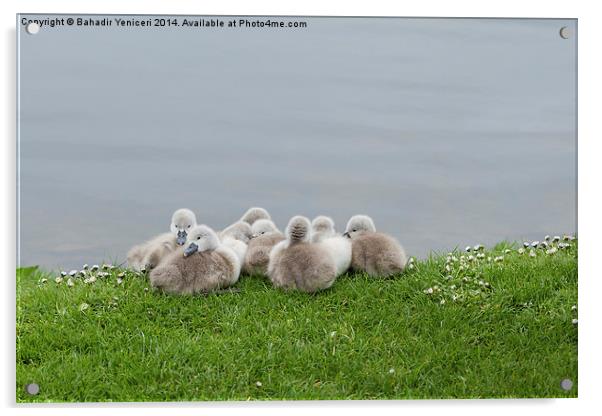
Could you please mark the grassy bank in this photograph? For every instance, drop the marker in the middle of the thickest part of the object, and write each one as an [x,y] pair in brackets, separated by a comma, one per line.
[496,325]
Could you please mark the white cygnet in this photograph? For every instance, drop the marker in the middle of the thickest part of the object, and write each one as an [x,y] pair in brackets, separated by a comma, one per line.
[322,227]
[324,234]
[239,248]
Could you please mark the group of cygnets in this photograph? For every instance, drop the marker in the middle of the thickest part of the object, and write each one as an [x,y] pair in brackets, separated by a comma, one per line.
[308,256]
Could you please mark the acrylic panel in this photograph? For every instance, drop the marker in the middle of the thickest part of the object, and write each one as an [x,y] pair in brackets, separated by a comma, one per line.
[456,136]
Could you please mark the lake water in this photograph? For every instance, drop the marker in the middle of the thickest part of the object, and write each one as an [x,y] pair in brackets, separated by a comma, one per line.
[447,132]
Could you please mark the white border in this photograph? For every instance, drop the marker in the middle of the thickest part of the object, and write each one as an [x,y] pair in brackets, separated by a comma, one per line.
[588,212]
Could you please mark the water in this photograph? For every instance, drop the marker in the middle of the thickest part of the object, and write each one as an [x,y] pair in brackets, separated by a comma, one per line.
[447,132]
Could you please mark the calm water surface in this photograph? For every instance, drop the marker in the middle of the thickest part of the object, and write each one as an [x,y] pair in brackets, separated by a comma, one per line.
[446,131]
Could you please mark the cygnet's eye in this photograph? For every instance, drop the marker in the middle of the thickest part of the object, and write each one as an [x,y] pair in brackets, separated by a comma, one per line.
[188,226]
[354,230]
[199,237]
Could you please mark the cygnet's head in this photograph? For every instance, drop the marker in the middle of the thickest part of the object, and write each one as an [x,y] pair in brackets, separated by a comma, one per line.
[263,226]
[254,214]
[181,222]
[240,230]
[322,224]
[359,225]
[200,238]
[298,230]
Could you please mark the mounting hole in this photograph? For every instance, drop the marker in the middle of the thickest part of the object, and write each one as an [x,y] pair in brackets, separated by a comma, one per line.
[565,32]
[566,384]
[32,389]
[32,28]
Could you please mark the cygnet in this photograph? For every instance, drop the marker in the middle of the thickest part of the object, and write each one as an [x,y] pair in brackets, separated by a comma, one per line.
[297,263]
[378,254]
[205,264]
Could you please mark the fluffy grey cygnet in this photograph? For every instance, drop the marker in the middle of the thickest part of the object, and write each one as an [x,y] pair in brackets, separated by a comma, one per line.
[297,263]
[240,230]
[265,236]
[377,254]
[149,254]
[203,265]
[324,233]
[255,213]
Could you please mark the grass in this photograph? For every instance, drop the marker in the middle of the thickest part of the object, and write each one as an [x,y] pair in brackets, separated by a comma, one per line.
[480,329]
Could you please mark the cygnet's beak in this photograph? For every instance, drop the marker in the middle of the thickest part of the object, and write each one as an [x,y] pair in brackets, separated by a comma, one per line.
[191,249]
[254,236]
[181,238]
[346,234]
